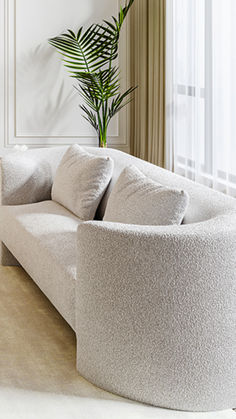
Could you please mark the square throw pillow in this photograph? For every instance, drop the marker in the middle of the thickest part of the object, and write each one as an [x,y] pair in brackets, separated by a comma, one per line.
[136,199]
[81,180]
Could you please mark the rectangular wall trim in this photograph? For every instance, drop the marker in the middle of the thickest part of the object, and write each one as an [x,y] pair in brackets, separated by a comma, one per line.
[38,104]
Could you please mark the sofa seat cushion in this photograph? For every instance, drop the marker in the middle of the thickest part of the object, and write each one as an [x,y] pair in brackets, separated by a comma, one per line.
[42,237]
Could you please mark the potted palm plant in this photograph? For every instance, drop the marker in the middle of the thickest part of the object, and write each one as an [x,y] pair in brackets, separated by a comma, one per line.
[90,57]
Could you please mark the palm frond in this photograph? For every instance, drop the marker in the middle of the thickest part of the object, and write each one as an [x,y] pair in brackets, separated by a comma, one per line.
[86,51]
[118,102]
[90,117]
[89,57]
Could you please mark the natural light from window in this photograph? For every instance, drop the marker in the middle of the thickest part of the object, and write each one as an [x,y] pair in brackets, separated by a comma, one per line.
[201,46]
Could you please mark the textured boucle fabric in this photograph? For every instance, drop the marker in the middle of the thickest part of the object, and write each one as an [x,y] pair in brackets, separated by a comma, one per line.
[136,199]
[156,312]
[154,305]
[38,378]
[6,257]
[42,237]
[81,180]
[27,178]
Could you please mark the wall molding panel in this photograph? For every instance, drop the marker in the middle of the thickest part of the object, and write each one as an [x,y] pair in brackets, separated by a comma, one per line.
[39,106]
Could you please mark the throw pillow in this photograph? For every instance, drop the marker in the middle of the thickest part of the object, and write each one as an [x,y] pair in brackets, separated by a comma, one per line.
[81,180]
[136,199]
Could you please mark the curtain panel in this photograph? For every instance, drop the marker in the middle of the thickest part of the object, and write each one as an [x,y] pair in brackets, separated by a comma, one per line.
[148,28]
[201,91]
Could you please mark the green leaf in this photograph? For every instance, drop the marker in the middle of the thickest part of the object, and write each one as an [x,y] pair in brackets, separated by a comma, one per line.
[90,58]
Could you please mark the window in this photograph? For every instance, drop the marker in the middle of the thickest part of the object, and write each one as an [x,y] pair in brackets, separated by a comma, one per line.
[201,91]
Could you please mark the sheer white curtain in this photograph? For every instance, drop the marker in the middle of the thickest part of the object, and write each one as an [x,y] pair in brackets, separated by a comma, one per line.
[201,91]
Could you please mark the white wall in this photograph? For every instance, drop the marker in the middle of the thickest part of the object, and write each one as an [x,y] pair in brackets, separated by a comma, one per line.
[38,105]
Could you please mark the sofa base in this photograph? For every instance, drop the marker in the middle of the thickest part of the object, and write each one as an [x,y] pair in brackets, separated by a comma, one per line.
[6,257]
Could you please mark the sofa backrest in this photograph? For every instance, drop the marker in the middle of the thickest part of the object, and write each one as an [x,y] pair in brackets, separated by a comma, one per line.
[205,203]
[27,177]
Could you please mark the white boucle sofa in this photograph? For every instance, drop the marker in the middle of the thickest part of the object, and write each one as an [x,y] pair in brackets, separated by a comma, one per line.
[153,308]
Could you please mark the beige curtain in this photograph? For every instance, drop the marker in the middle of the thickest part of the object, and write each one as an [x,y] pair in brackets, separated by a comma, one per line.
[148,73]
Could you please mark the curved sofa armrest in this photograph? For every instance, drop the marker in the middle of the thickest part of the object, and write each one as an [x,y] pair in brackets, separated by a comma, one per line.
[156,311]
[26,177]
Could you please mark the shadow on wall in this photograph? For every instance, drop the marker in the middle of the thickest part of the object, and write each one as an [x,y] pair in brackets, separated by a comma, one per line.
[43,93]
[46,103]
